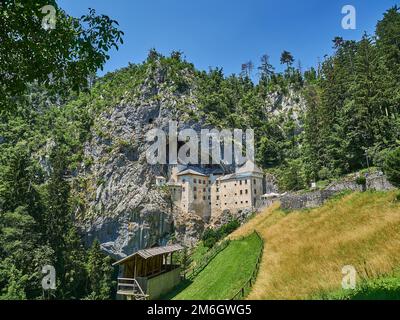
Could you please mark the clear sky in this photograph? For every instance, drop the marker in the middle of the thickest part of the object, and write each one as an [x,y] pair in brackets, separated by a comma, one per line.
[227,33]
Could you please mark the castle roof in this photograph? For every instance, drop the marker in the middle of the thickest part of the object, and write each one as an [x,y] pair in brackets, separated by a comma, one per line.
[191,172]
[249,169]
[249,166]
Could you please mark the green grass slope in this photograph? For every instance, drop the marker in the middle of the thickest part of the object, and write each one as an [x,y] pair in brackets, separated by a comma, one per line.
[306,250]
[224,275]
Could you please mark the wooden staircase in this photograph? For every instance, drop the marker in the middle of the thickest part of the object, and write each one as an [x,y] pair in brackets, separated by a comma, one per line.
[130,288]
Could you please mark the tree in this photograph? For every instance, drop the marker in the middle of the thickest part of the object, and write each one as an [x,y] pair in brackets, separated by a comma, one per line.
[247,69]
[99,271]
[392,166]
[287,58]
[185,259]
[266,69]
[16,282]
[61,58]
[337,42]
[292,176]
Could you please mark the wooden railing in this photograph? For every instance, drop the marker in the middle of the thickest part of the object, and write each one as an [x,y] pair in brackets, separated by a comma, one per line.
[245,289]
[210,255]
[130,287]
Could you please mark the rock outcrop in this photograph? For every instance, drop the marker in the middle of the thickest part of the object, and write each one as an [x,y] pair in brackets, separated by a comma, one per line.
[124,209]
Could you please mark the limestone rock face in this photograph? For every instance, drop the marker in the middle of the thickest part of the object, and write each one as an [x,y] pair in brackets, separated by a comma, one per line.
[124,209]
[286,106]
[227,216]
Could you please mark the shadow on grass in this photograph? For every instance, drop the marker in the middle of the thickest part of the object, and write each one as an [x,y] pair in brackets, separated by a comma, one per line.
[178,289]
[377,294]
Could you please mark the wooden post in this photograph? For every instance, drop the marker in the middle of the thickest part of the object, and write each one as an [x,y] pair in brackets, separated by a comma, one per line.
[135,268]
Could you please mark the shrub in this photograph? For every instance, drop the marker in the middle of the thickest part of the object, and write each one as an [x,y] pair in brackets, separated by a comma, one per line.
[211,237]
[292,177]
[229,227]
[392,166]
[361,181]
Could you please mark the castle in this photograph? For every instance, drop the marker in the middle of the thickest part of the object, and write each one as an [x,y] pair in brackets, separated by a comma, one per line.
[208,192]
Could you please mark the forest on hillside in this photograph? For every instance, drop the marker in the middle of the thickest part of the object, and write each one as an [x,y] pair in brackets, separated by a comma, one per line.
[351,121]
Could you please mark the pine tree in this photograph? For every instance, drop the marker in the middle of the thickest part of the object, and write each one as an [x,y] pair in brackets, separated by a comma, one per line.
[266,70]
[99,271]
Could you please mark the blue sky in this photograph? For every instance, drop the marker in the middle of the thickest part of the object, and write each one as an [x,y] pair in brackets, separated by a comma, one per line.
[222,33]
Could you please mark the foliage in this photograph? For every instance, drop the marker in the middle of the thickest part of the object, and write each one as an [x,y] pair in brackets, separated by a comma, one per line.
[392,166]
[62,58]
[99,272]
[361,180]
[211,237]
[351,116]
[39,70]
[292,177]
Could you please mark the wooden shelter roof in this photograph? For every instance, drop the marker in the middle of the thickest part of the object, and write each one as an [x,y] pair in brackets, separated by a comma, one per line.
[152,252]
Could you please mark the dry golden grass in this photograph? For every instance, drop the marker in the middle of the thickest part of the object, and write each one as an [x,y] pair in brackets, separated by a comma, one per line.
[306,250]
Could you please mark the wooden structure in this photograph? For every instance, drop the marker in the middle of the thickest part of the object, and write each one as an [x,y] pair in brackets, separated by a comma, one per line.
[148,273]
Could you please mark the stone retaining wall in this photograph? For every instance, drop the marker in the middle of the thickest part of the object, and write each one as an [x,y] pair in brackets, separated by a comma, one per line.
[296,201]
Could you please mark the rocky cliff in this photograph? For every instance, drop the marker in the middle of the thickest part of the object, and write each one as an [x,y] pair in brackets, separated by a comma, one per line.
[124,209]
[122,206]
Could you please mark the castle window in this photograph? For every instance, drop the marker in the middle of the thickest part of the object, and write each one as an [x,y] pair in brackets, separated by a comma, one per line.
[245,181]
[217,197]
[247,202]
[217,189]
[204,190]
[246,191]
[236,202]
[209,197]
[241,191]
[240,182]
[195,197]
[204,198]
[194,188]
[204,181]
[255,181]
[183,181]
[241,202]
[209,203]
[255,191]
[194,180]
[225,203]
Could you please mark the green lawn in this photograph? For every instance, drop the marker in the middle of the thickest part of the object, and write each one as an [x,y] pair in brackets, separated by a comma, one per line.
[198,254]
[224,275]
